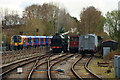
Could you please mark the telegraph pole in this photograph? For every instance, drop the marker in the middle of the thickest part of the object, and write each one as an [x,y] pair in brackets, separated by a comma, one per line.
[0,48]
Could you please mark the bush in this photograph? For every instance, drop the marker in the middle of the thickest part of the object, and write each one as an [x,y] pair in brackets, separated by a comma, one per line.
[111,54]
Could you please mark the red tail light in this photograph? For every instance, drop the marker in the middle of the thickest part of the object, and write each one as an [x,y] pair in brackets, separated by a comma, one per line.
[56,47]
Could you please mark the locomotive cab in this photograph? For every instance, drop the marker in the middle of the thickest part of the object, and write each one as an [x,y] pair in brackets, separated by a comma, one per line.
[16,40]
[56,43]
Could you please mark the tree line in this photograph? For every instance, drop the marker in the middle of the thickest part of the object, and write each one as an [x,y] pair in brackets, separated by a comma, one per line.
[43,19]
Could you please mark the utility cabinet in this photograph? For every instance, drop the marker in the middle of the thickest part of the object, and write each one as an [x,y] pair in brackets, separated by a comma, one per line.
[117,66]
[106,50]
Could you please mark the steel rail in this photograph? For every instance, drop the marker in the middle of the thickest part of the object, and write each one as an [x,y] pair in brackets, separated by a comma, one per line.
[36,66]
[27,62]
[73,70]
[50,66]
[86,67]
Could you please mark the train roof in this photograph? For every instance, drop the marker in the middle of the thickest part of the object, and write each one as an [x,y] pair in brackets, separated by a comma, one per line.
[92,35]
[25,36]
[74,36]
[49,36]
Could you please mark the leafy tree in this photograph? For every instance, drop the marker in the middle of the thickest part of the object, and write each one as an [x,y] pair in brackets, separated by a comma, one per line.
[46,14]
[33,26]
[113,24]
[91,21]
[51,17]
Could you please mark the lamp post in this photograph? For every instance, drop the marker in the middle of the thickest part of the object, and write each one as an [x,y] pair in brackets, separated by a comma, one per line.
[119,24]
[0,48]
[0,38]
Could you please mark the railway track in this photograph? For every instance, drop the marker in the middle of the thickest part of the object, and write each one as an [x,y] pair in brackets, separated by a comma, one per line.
[37,61]
[51,64]
[11,56]
[13,66]
[36,66]
[81,71]
[46,64]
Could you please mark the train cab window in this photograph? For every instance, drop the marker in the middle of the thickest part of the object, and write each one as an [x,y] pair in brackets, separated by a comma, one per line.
[16,39]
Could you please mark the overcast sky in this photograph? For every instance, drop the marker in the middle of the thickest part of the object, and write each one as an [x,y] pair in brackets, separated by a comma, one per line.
[72,6]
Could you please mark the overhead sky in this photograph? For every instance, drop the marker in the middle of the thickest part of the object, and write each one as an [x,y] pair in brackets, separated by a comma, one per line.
[74,7]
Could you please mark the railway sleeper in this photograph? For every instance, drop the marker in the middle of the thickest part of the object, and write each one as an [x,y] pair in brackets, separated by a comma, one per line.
[103,64]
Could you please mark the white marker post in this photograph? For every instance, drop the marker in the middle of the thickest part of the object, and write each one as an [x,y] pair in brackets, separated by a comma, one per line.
[19,70]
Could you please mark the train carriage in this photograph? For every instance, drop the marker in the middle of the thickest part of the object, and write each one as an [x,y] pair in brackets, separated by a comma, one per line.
[88,44]
[23,41]
[73,43]
[48,40]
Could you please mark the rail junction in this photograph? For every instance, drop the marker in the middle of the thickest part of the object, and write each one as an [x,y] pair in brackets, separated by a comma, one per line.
[51,66]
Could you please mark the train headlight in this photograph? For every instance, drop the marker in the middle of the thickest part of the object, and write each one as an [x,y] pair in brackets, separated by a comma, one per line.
[16,44]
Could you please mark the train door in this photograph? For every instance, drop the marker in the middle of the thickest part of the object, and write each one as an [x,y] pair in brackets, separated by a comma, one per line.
[29,41]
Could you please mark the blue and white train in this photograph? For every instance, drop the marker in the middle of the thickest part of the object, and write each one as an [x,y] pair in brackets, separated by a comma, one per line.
[24,41]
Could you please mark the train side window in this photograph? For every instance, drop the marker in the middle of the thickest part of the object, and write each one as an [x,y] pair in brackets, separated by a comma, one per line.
[77,38]
[29,40]
[19,39]
[24,40]
[34,39]
[71,39]
[42,39]
[74,38]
